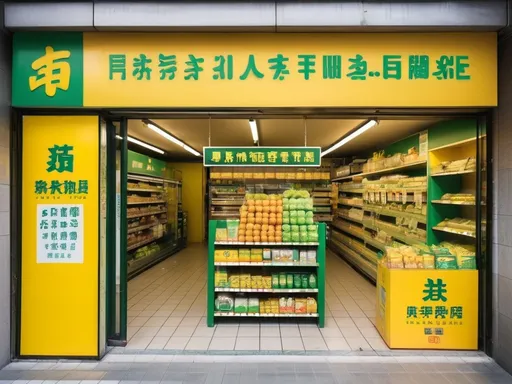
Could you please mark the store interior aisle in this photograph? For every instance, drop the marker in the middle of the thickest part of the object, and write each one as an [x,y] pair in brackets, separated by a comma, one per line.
[167,309]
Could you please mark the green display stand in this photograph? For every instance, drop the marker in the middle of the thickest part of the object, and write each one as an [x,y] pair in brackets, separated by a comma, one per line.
[319,268]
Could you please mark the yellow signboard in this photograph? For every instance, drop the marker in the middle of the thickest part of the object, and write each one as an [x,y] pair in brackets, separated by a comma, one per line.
[428,308]
[289,70]
[59,289]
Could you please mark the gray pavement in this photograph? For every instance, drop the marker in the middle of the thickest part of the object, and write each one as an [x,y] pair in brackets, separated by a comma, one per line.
[210,369]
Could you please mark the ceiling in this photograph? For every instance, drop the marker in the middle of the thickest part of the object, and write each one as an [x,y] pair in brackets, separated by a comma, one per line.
[274,132]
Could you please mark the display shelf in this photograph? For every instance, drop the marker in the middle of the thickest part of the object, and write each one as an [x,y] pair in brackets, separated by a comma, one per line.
[353,219]
[467,172]
[155,190]
[232,314]
[225,202]
[146,202]
[358,247]
[267,244]
[261,264]
[410,166]
[344,201]
[403,237]
[143,227]
[455,144]
[266,290]
[319,268]
[358,191]
[449,202]
[149,179]
[392,213]
[454,231]
[141,243]
[145,214]
[357,234]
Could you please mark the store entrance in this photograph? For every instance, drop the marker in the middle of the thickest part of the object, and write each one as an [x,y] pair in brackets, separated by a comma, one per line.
[401,195]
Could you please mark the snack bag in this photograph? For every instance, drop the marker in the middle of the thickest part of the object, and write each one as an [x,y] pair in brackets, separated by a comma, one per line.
[311,305]
[301,306]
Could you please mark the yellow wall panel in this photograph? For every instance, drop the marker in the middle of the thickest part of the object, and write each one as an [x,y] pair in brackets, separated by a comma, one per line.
[59,287]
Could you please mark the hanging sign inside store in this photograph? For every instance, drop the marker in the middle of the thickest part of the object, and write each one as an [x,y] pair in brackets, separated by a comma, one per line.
[428,309]
[145,165]
[57,69]
[60,215]
[261,156]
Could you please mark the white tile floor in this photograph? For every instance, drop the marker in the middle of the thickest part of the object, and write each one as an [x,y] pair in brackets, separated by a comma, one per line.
[167,309]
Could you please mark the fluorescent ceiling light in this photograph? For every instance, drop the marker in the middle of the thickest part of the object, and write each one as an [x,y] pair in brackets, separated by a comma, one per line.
[353,135]
[145,145]
[169,137]
[254,130]
[119,137]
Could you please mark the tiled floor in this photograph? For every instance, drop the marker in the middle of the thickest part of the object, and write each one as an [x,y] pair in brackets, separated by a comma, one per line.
[167,309]
[217,369]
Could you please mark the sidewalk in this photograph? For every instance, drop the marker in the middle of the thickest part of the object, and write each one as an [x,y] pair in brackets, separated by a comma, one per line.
[248,369]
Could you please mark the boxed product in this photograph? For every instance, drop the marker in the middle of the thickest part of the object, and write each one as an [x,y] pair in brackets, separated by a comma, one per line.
[245,280]
[267,282]
[312,281]
[256,255]
[224,303]
[275,281]
[244,255]
[256,282]
[253,305]
[221,278]
[226,255]
[241,304]
[303,256]
[267,255]
[311,259]
[297,280]
[282,280]
[234,281]
[221,231]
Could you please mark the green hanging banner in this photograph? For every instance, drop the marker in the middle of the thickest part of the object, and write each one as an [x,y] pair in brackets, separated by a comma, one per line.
[261,156]
[145,165]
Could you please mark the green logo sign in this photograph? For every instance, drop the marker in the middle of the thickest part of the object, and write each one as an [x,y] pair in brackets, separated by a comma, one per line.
[261,156]
[60,159]
[48,69]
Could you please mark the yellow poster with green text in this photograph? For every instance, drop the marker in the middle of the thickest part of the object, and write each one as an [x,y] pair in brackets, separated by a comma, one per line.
[59,251]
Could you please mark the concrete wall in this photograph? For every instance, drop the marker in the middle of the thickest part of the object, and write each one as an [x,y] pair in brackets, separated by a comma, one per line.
[502,211]
[5,254]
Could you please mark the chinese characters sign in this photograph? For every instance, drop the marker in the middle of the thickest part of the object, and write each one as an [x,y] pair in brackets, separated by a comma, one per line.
[434,309]
[60,233]
[145,165]
[285,70]
[261,156]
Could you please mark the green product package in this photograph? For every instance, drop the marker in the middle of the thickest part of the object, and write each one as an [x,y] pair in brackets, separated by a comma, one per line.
[446,262]
[303,228]
[289,281]
[275,281]
[296,255]
[295,228]
[312,281]
[305,282]
[294,220]
[297,281]
[309,220]
[254,305]
[286,228]
[287,237]
[303,237]
[232,229]
[467,262]
[282,280]
[241,305]
[295,237]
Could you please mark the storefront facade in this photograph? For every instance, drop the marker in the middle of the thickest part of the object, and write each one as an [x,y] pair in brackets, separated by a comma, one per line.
[91,73]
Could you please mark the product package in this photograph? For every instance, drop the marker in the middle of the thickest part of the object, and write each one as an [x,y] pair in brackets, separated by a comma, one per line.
[253,305]
[301,306]
[221,232]
[244,255]
[267,255]
[232,229]
[226,255]
[241,304]
[224,303]
[256,255]
[312,306]
[221,278]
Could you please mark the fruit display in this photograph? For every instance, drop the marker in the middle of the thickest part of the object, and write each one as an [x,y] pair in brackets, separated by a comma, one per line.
[298,223]
[261,218]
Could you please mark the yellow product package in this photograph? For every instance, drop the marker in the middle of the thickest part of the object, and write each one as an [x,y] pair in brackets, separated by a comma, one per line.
[267,282]
[221,278]
[301,306]
[245,280]
[234,281]
[312,306]
[244,255]
[274,306]
[226,255]
[256,255]
[256,282]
